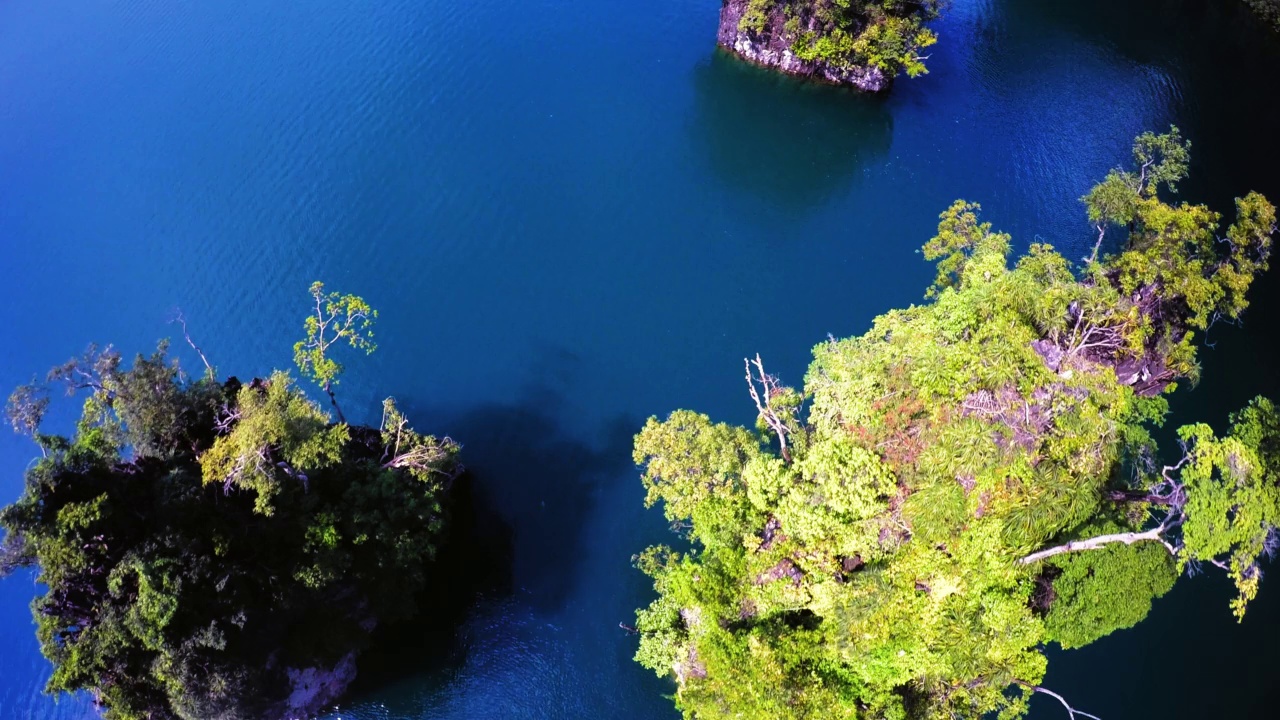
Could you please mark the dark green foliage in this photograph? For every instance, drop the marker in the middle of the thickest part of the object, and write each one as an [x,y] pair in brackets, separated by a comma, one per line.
[201,541]
[1096,593]
[1268,10]
[969,480]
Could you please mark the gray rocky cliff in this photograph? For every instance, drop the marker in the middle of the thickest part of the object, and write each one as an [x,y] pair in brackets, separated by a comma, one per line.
[772,48]
[315,688]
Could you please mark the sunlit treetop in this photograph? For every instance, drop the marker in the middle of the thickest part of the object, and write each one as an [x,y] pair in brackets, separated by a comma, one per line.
[969,480]
[337,319]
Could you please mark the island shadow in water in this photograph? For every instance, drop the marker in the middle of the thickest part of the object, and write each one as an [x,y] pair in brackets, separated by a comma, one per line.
[789,141]
[518,514]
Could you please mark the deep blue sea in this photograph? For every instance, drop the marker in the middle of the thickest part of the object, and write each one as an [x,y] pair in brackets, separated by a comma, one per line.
[573,216]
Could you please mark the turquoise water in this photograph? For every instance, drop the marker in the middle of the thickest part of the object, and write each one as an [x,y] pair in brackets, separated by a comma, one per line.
[574,216]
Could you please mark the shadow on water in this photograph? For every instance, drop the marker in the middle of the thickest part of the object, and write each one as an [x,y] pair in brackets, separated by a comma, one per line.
[518,514]
[789,141]
[1153,31]
[542,482]
[1233,151]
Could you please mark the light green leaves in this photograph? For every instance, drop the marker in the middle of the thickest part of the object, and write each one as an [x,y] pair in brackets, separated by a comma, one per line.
[1114,200]
[1233,496]
[881,556]
[337,319]
[279,436]
[828,499]
[1161,160]
[889,36]
[961,239]
[688,460]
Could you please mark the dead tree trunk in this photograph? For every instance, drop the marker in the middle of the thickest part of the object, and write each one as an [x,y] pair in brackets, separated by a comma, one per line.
[1071,712]
[1099,542]
[769,385]
[181,319]
[328,388]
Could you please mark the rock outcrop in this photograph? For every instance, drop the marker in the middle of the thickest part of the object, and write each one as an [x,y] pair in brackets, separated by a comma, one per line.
[772,47]
[315,688]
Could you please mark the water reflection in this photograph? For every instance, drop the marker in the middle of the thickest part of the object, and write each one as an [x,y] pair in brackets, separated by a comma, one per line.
[790,142]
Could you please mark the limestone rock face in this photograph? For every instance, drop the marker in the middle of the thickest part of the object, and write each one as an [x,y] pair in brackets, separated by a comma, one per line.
[772,48]
[314,688]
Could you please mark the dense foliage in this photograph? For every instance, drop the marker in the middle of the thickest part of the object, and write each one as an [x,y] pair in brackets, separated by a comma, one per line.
[887,34]
[216,549]
[1268,10]
[970,480]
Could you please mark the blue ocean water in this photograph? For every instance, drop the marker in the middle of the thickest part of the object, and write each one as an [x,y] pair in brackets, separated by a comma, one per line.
[573,216]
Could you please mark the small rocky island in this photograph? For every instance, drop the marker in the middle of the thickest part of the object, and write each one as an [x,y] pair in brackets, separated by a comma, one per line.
[861,43]
[216,549]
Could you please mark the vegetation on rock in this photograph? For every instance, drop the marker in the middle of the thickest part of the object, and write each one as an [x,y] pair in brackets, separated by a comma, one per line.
[1268,10]
[213,549]
[970,480]
[886,34]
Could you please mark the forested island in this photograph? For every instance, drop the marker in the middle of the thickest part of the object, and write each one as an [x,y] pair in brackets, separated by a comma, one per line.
[863,44]
[970,480]
[859,43]
[1268,10]
[213,548]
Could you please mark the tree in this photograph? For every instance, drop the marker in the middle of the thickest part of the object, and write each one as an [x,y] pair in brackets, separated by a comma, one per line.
[1124,197]
[26,408]
[1222,499]
[885,34]
[202,543]
[959,237]
[1268,10]
[275,435]
[338,318]
[968,481]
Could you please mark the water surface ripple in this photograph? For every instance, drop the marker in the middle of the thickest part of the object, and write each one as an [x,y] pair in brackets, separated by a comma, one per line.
[574,216]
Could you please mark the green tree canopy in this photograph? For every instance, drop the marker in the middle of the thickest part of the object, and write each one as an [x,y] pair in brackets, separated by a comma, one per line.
[207,546]
[1268,10]
[969,480]
[885,34]
[337,319]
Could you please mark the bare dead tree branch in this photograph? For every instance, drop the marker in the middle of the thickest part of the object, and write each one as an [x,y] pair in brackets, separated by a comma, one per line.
[1099,542]
[425,458]
[1102,231]
[225,419]
[768,384]
[422,457]
[92,370]
[1071,712]
[1137,496]
[182,320]
[1169,492]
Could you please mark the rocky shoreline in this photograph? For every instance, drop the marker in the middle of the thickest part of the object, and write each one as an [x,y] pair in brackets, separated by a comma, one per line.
[772,48]
[315,688]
